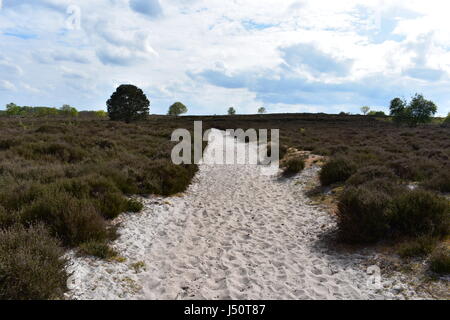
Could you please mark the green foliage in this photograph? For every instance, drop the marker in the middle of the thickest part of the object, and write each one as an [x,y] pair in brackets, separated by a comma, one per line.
[377,113]
[128,103]
[418,111]
[440,261]
[13,110]
[134,205]
[362,213]
[370,173]
[176,109]
[231,111]
[67,110]
[31,264]
[99,249]
[101,114]
[439,181]
[422,246]
[419,212]
[262,110]
[336,170]
[72,220]
[376,209]
[293,166]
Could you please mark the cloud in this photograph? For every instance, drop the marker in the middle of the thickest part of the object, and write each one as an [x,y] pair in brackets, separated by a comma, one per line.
[6,85]
[10,69]
[150,8]
[49,57]
[307,55]
[313,55]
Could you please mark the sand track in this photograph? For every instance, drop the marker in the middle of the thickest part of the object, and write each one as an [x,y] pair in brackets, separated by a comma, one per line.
[235,234]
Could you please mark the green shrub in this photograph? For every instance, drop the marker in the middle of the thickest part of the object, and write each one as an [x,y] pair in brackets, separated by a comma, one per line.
[134,205]
[72,220]
[31,264]
[362,214]
[166,178]
[440,260]
[8,219]
[439,181]
[293,166]
[99,249]
[336,170]
[420,212]
[419,247]
[369,173]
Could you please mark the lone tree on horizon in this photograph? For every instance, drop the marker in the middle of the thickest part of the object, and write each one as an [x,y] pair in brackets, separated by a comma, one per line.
[231,111]
[365,110]
[128,103]
[262,110]
[176,109]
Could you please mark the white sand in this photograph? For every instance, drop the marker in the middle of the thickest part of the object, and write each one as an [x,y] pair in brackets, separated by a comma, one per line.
[235,234]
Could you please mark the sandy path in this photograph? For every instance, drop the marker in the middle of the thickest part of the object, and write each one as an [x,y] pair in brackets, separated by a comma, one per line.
[235,234]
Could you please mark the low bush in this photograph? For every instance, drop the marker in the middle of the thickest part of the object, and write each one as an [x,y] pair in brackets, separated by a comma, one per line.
[336,170]
[134,205]
[99,249]
[439,181]
[31,264]
[72,220]
[293,166]
[369,173]
[419,212]
[8,219]
[440,261]
[362,214]
[422,246]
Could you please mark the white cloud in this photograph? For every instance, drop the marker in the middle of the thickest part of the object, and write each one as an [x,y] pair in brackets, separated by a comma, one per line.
[287,55]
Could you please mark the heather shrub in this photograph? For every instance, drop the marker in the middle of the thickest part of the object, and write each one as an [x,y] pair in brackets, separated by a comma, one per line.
[293,166]
[72,220]
[99,249]
[362,214]
[134,205]
[31,264]
[440,181]
[336,170]
[166,178]
[8,218]
[440,260]
[420,212]
[422,246]
[369,173]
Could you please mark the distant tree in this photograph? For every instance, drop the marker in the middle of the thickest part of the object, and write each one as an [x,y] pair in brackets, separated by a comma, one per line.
[128,103]
[231,111]
[13,110]
[262,110]
[418,111]
[365,110]
[398,110]
[421,110]
[176,109]
[69,111]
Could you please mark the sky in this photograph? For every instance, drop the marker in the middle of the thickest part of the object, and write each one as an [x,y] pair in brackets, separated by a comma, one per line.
[284,55]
